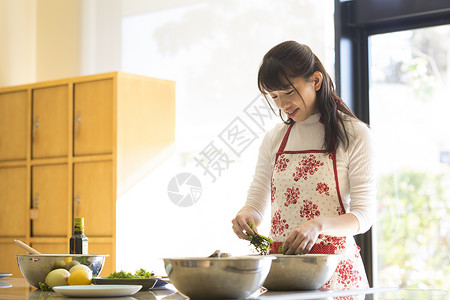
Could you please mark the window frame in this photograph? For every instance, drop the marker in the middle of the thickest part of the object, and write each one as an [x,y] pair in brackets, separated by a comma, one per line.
[355,21]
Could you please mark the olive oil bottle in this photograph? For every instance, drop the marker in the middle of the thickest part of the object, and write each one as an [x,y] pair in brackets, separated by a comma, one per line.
[78,241]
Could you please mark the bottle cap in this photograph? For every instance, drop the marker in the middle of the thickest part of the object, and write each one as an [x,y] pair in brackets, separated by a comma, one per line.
[78,224]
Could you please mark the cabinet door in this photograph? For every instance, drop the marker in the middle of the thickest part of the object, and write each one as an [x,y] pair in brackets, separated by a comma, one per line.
[13,126]
[49,190]
[50,122]
[93,117]
[93,197]
[51,248]
[13,202]
[8,263]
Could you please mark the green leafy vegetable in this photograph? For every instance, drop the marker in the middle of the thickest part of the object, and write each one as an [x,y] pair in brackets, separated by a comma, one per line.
[141,273]
[260,242]
[44,287]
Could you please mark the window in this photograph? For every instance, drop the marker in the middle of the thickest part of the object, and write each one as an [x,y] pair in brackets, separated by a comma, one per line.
[400,46]
[409,73]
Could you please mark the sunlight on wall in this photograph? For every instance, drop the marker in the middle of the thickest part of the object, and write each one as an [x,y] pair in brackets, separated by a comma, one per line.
[212,49]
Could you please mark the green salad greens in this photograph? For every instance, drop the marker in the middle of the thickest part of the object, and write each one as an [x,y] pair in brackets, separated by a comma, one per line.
[141,273]
[44,287]
[260,242]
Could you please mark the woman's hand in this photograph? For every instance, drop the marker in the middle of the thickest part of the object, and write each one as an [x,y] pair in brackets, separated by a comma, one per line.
[302,238]
[241,223]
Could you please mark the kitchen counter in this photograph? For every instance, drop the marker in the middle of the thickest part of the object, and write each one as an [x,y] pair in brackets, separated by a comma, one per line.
[18,288]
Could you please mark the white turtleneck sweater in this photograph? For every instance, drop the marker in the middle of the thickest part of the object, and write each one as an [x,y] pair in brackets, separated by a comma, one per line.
[355,165]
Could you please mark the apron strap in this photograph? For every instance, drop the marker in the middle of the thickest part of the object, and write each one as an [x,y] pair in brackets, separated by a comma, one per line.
[285,138]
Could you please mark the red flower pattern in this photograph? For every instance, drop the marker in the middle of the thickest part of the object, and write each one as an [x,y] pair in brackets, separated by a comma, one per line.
[278,224]
[292,195]
[273,191]
[336,241]
[308,165]
[358,249]
[281,163]
[309,210]
[323,188]
[347,274]
[326,286]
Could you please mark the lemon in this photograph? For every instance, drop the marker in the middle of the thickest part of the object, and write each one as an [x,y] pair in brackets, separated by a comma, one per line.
[79,266]
[80,277]
[71,264]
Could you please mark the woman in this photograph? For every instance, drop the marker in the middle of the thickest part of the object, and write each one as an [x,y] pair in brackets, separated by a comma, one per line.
[316,170]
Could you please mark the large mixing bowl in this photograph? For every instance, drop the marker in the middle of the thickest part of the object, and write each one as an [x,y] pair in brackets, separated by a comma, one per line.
[35,267]
[300,272]
[213,277]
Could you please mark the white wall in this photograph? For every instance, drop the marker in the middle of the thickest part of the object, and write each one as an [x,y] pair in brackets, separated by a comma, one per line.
[18,42]
[50,39]
[57,39]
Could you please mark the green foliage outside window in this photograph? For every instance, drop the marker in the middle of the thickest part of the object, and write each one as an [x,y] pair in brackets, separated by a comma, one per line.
[413,229]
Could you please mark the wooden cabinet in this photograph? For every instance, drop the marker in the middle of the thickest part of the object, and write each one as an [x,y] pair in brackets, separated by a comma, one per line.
[13,202]
[50,247]
[93,112]
[49,187]
[13,125]
[50,122]
[93,201]
[9,261]
[13,215]
[69,148]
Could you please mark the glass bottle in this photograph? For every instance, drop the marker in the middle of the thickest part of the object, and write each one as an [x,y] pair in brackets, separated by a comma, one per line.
[78,241]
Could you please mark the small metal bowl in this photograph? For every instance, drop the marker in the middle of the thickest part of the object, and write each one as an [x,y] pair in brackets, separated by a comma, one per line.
[218,277]
[300,272]
[35,267]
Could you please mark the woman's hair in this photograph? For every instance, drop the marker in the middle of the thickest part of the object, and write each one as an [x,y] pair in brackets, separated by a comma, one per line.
[290,60]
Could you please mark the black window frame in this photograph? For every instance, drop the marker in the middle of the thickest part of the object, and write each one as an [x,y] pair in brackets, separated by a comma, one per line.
[355,21]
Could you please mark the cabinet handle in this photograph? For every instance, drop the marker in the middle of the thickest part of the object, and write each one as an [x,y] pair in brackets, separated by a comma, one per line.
[35,128]
[78,199]
[77,123]
[78,118]
[36,201]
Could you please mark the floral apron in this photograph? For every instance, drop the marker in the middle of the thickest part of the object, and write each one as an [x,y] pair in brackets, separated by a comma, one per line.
[304,186]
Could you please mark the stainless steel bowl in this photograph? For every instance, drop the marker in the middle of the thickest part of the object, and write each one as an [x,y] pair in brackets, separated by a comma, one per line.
[35,267]
[300,272]
[213,277]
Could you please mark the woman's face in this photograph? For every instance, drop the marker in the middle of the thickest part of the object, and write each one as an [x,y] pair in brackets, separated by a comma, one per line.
[298,100]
